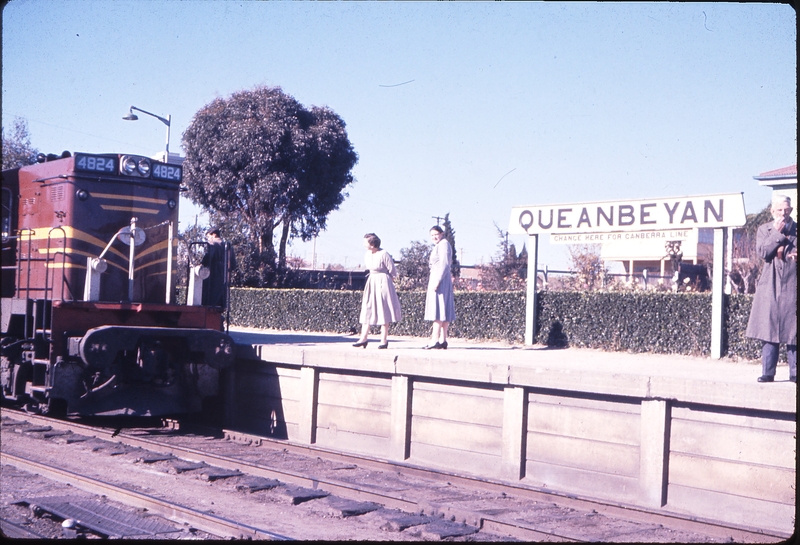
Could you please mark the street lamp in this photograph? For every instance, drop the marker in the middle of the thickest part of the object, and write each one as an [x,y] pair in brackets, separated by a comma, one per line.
[133,117]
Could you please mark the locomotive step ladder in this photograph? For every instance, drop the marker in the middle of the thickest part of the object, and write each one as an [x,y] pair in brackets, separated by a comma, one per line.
[42,297]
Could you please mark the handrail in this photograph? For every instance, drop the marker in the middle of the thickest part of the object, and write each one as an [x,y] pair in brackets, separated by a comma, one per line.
[22,233]
[49,291]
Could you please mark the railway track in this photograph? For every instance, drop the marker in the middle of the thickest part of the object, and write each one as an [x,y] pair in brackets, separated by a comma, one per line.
[439,495]
[175,512]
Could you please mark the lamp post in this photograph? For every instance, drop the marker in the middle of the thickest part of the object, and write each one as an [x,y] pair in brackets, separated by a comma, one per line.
[133,117]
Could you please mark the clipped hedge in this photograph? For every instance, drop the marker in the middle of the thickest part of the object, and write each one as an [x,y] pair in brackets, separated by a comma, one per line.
[658,322]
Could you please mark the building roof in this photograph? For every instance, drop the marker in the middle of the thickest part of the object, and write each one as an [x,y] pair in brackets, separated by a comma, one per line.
[779,174]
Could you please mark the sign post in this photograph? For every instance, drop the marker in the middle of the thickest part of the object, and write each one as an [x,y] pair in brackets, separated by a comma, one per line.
[717,289]
[611,221]
[532,296]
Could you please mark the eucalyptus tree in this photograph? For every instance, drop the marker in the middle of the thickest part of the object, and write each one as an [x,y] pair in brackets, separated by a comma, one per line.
[262,161]
[17,149]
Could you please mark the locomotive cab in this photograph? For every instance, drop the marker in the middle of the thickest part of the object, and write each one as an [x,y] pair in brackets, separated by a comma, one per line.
[89,325]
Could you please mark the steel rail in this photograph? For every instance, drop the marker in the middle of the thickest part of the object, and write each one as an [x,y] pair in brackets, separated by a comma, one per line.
[344,490]
[630,513]
[177,513]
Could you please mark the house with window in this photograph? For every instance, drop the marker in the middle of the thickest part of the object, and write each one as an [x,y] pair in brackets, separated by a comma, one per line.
[696,246]
[783,181]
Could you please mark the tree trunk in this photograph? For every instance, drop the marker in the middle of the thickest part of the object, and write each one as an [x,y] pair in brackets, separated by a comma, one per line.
[282,247]
[265,242]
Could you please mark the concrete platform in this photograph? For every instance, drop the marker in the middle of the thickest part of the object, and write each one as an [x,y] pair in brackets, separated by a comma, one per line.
[694,436]
[696,379]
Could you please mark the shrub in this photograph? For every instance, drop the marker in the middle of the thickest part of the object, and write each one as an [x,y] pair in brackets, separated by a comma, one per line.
[658,322]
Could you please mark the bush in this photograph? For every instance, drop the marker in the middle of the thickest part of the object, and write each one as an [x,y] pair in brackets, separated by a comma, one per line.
[657,322]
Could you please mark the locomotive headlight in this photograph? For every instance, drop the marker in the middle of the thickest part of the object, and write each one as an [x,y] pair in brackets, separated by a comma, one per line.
[128,165]
[202,271]
[172,204]
[144,167]
[98,264]
[82,195]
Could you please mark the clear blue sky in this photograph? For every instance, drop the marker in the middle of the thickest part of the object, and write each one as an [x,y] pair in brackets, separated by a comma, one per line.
[466,108]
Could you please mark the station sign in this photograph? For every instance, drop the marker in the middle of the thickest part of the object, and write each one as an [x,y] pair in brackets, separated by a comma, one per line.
[644,215]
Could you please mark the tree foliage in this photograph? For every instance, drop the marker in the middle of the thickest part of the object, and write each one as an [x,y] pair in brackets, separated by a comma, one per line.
[414,267]
[746,262]
[590,271]
[508,269]
[265,163]
[450,235]
[189,254]
[17,149]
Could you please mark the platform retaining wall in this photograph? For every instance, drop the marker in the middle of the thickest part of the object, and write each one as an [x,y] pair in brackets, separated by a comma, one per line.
[653,442]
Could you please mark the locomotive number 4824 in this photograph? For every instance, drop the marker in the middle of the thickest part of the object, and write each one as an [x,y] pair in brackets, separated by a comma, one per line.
[94,163]
[167,172]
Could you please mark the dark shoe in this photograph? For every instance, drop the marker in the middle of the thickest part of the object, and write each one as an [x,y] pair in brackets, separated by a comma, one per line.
[793,379]
[441,346]
[765,378]
[361,345]
[383,346]
[432,347]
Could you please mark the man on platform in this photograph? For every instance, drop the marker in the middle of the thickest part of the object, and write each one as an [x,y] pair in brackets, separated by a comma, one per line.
[220,260]
[773,318]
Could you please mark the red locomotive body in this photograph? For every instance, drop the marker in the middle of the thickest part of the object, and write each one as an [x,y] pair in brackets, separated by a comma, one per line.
[88,322]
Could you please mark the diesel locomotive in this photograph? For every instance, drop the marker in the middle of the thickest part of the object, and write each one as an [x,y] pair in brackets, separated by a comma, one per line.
[90,325]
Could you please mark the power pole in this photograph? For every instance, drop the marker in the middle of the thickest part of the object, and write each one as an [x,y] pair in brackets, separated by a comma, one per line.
[438,219]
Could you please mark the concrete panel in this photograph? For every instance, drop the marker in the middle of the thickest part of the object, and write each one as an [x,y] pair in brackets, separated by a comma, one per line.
[781,397]
[733,416]
[590,401]
[442,365]
[291,387]
[456,460]
[578,481]
[579,380]
[758,482]
[368,380]
[357,392]
[353,442]
[738,510]
[375,362]
[270,380]
[457,435]
[257,417]
[734,443]
[598,425]
[353,420]
[265,384]
[288,409]
[458,403]
[583,454]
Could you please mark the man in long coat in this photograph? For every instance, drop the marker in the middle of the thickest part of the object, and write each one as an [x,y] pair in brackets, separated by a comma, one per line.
[220,260]
[773,318]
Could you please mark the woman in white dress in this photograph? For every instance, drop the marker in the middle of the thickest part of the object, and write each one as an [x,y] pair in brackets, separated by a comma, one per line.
[379,305]
[440,305]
